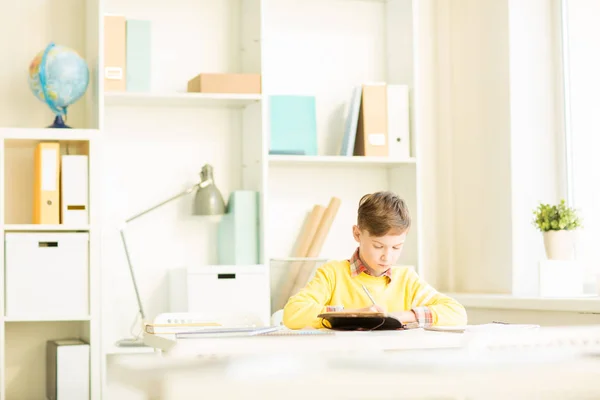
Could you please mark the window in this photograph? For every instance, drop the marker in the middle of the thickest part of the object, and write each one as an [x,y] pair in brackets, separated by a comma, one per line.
[581,56]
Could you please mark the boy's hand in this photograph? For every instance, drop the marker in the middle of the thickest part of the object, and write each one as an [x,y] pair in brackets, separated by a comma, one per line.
[405,316]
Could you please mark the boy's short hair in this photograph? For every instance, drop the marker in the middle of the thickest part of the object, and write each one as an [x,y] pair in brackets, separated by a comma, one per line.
[383,212]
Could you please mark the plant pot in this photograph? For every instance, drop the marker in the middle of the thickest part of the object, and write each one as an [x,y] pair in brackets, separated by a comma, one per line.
[560,245]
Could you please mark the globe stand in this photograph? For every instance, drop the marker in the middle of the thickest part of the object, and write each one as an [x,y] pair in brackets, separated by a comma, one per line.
[59,123]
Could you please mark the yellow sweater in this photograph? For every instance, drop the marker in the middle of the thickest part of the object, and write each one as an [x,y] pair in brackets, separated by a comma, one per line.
[333,285]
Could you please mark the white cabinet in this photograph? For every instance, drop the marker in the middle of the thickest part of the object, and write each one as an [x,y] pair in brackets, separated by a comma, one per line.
[46,275]
[222,290]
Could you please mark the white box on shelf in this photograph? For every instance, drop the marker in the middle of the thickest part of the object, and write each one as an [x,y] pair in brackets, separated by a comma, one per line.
[74,190]
[67,369]
[561,278]
[234,290]
[47,275]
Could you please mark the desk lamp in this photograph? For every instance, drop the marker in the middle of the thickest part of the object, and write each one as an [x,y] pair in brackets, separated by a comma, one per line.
[207,201]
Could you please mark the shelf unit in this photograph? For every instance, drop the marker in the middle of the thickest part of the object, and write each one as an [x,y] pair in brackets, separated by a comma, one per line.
[145,147]
[23,119]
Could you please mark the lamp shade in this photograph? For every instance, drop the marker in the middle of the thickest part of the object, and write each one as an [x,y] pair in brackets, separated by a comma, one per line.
[208,199]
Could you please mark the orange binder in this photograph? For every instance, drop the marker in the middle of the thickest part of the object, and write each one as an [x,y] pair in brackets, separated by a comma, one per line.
[372,132]
[46,190]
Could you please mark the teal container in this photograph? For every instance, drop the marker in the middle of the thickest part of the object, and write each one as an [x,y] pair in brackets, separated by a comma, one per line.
[238,231]
[139,57]
[293,125]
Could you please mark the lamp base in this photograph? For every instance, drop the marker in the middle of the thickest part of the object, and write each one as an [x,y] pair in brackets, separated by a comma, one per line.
[131,342]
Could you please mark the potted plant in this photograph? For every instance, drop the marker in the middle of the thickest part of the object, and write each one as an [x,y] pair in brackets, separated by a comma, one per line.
[558,223]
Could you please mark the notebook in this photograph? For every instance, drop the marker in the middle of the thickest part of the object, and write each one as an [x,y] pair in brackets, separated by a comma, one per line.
[226,332]
[363,321]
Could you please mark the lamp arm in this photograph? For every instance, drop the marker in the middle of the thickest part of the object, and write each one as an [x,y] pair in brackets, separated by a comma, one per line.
[122,233]
[187,191]
[135,286]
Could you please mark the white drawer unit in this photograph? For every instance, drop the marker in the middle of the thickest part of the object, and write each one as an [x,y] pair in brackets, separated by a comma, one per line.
[222,290]
[47,275]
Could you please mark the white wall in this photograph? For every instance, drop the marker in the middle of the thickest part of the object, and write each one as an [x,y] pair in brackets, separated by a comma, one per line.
[499,140]
[477,159]
[584,86]
[426,118]
[537,154]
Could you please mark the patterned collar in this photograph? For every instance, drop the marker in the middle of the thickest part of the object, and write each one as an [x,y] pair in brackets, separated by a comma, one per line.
[357,266]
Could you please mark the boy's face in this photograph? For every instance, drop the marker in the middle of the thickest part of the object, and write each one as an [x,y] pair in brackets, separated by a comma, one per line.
[379,253]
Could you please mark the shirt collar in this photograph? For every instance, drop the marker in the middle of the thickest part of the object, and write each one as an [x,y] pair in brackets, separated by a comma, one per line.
[357,266]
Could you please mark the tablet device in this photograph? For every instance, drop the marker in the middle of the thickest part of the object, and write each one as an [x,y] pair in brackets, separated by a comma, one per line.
[364,321]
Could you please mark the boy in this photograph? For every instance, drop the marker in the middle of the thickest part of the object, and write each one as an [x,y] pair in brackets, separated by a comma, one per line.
[382,226]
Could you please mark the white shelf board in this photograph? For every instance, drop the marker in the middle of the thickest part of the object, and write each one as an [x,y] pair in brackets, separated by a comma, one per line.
[13,136]
[45,228]
[291,160]
[47,319]
[181,99]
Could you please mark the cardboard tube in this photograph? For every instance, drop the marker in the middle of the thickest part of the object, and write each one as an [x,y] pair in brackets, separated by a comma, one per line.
[304,241]
[317,244]
[312,224]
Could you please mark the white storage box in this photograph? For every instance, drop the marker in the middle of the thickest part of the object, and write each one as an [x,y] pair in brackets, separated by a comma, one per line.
[561,278]
[47,275]
[222,290]
[67,370]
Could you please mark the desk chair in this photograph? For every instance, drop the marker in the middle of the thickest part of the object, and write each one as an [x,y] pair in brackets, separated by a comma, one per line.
[277,318]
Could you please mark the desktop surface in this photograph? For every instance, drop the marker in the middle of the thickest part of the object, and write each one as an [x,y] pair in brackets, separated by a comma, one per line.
[309,342]
[543,373]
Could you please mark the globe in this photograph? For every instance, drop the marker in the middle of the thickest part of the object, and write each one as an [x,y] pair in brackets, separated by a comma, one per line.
[58,76]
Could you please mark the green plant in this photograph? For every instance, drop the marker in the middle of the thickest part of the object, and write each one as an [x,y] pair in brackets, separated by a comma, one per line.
[556,217]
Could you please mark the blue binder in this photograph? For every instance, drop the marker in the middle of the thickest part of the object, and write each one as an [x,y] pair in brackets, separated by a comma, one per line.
[293,125]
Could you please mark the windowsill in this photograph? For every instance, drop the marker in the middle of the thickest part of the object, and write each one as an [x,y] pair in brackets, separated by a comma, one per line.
[583,304]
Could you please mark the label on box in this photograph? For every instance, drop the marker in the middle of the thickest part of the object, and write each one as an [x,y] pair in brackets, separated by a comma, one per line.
[377,139]
[113,73]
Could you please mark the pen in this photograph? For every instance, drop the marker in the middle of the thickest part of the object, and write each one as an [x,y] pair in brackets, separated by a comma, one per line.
[369,294]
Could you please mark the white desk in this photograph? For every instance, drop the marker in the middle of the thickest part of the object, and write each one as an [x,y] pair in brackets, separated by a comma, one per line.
[548,363]
[419,374]
[340,341]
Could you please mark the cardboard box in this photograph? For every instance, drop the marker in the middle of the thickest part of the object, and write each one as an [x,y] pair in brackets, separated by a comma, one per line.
[225,83]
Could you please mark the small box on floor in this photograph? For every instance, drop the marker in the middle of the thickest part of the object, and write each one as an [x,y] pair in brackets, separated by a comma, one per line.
[225,83]
[67,370]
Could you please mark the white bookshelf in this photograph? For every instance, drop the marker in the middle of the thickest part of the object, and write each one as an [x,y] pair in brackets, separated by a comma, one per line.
[146,147]
[23,119]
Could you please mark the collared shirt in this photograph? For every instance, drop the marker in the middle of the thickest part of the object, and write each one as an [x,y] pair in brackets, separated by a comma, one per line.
[357,266]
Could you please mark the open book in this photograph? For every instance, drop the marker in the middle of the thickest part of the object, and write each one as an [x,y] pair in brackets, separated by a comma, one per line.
[362,321]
